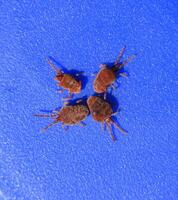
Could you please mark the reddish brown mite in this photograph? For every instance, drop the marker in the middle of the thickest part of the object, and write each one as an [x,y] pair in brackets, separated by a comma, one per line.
[68,115]
[66,81]
[107,75]
[101,111]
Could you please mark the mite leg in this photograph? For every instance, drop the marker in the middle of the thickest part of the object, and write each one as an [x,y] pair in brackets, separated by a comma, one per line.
[110,131]
[113,86]
[66,103]
[117,84]
[117,126]
[105,94]
[115,113]
[54,67]
[120,55]
[63,125]
[79,101]
[53,123]
[123,74]
[80,73]
[45,115]
[55,111]
[125,62]
[60,90]
[103,66]
[68,98]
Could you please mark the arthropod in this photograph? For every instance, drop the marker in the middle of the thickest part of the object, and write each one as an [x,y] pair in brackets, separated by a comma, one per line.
[101,111]
[107,75]
[66,81]
[68,115]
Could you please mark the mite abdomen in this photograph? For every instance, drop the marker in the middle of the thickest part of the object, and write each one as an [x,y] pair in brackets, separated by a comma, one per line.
[68,82]
[104,78]
[73,114]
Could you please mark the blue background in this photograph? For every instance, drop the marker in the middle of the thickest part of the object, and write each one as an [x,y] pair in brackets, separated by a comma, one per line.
[83,163]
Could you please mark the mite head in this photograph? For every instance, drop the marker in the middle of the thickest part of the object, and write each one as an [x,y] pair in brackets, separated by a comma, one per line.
[59,76]
[116,66]
[98,117]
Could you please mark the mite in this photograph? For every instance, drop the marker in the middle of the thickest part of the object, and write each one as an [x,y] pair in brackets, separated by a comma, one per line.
[107,75]
[68,115]
[66,81]
[101,111]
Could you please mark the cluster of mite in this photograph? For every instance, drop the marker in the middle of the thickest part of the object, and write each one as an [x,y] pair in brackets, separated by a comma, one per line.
[100,109]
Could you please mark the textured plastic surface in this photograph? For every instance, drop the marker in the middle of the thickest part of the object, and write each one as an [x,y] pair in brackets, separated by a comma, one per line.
[83,163]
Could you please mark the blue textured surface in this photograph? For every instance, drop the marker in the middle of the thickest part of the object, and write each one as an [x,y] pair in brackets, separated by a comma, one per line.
[83,163]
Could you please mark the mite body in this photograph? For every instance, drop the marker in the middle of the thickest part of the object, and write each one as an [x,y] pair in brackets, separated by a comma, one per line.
[68,115]
[101,111]
[107,75]
[66,81]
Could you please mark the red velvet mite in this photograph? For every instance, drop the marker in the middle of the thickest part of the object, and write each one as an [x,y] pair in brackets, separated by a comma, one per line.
[68,115]
[101,111]
[107,75]
[66,81]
